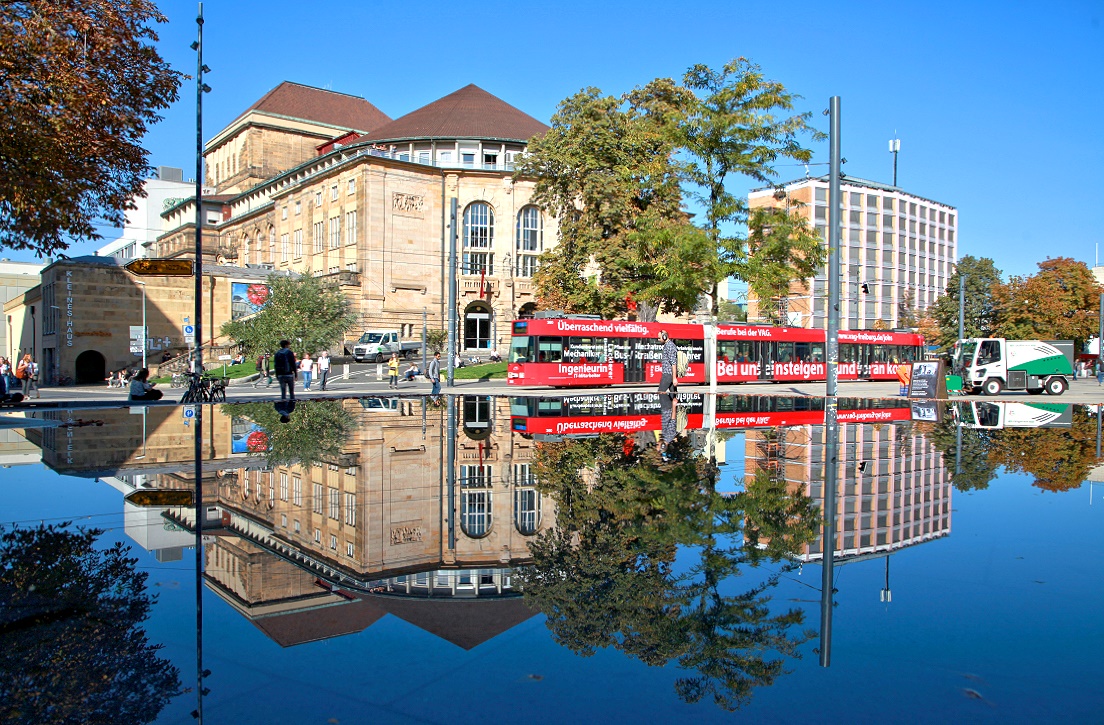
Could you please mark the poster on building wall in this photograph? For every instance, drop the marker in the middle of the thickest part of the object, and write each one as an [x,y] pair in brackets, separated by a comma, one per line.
[247,299]
[247,437]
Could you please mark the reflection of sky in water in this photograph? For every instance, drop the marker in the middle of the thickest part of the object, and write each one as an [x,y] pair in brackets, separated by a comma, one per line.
[1006,606]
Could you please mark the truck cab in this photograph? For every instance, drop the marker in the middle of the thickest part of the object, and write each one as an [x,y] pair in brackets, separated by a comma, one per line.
[990,365]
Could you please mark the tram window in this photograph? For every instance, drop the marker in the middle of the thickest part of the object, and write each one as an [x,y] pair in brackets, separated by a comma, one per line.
[585,349]
[550,349]
[848,353]
[801,350]
[906,353]
[785,352]
[816,352]
[521,349]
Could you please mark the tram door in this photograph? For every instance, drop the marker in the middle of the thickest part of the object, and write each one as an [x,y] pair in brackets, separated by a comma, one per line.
[768,355]
[634,354]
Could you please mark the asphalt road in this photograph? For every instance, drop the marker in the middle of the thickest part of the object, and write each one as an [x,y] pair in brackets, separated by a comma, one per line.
[362,380]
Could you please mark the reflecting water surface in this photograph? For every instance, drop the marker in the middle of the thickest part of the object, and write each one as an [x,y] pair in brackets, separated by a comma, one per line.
[579,557]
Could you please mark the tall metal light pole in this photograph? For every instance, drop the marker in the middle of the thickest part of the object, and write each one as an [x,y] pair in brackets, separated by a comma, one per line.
[961,306]
[145,332]
[831,413]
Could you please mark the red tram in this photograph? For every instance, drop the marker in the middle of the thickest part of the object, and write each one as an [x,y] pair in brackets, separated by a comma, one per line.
[588,415]
[580,351]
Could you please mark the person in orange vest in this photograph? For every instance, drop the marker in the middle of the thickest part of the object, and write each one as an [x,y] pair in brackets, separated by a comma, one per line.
[904,375]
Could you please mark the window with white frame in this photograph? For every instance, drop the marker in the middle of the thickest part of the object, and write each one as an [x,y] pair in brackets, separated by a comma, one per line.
[316,503]
[283,212]
[530,240]
[475,499]
[318,536]
[350,509]
[333,193]
[298,208]
[283,520]
[526,510]
[298,243]
[478,238]
[297,491]
[271,244]
[284,248]
[318,198]
[335,504]
[296,526]
[319,237]
[349,550]
[283,487]
[350,227]
[333,542]
[335,232]
[352,186]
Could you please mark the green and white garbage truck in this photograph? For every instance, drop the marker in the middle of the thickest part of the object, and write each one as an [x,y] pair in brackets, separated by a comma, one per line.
[992,364]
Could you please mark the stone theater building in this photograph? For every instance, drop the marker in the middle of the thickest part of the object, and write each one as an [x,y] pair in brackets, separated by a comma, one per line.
[310,181]
[317,182]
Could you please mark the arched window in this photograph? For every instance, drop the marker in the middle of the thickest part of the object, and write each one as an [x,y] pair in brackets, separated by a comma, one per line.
[475,500]
[478,238]
[477,326]
[530,240]
[271,245]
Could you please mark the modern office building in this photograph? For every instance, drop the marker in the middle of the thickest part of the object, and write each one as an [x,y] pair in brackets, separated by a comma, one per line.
[143,223]
[896,252]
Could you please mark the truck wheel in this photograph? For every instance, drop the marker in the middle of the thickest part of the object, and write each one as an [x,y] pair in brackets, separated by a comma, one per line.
[379,357]
[992,386]
[1056,386]
[409,354]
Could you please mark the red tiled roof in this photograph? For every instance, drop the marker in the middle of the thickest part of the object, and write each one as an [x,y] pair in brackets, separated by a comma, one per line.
[317,104]
[470,112]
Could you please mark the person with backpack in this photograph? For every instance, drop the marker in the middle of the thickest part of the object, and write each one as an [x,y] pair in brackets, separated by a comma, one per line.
[27,373]
[668,382]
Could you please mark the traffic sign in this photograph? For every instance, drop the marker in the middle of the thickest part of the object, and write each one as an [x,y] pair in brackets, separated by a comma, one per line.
[189,412]
[157,267]
[189,334]
[158,498]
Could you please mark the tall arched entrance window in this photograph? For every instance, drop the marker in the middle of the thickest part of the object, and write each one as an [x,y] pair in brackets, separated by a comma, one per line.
[478,332]
[479,223]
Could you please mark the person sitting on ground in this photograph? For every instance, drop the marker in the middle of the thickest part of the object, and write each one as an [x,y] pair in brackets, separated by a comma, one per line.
[238,359]
[495,357]
[412,372]
[142,389]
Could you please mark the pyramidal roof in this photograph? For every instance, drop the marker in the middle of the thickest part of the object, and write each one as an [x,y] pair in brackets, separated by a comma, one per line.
[293,100]
[470,112]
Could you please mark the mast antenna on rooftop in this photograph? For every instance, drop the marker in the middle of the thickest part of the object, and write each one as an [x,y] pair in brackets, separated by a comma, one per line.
[894,147]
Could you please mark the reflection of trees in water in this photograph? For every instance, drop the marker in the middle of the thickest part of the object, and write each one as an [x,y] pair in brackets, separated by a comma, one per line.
[1058,458]
[71,648]
[604,575]
[316,432]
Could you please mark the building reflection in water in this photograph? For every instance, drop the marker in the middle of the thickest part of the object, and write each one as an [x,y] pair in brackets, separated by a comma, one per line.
[312,538]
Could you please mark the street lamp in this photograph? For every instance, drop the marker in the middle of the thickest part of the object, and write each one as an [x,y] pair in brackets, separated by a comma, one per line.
[144,345]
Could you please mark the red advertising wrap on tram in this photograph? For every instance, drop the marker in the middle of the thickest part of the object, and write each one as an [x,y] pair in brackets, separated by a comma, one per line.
[588,415]
[576,351]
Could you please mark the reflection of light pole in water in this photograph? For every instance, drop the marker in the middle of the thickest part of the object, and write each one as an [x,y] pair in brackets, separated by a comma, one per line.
[887,594]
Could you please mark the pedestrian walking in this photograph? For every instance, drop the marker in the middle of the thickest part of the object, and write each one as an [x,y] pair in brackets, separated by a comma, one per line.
[433,374]
[668,381]
[283,364]
[142,389]
[393,371]
[1099,374]
[323,368]
[306,366]
[27,373]
[264,369]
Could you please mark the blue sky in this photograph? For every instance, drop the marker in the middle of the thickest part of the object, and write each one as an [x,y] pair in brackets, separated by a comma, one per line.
[997,105]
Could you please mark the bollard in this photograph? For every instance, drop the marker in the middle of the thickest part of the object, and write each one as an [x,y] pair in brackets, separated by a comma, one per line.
[345,373]
[379,371]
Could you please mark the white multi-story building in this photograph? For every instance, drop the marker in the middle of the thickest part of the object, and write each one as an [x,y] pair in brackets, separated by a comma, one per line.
[896,251]
[143,223]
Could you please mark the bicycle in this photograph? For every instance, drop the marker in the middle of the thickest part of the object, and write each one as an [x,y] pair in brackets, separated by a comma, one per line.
[178,380]
[202,389]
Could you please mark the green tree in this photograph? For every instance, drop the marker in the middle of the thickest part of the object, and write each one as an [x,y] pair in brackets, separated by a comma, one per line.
[1060,302]
[604,576]
[436,340]
[316,432]
[980,317]
[80,83]
[737,125]
[606,169]
[72,648]
[781,248]
[314,315]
